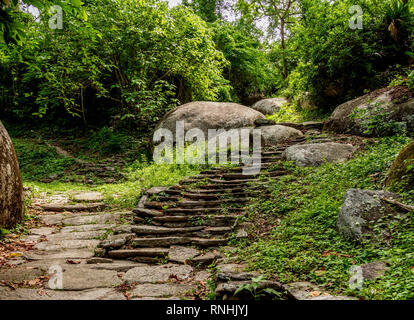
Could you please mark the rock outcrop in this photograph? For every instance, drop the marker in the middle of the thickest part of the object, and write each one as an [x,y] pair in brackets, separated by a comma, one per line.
[11,189]
[315,154]
[382,112]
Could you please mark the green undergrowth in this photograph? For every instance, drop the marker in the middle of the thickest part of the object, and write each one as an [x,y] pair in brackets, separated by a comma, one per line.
[296,114]
[304,244]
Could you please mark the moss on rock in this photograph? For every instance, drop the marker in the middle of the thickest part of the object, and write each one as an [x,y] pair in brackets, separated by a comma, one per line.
[401,173]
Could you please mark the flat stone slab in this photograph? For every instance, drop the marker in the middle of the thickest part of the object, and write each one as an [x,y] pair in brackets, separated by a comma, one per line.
[20,274]
[87,235]
[66,244]
[140,252]
[81,278]
[87,227]
[46,294]
[149,274]
[161,290]
[52,219]
[92,219]
[119,266]
[60,254]
[44,231]
[182,254]
[88,197]
[72,207]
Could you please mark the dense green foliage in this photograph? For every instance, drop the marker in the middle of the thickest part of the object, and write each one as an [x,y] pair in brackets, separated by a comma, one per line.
[305,244]
[128,62]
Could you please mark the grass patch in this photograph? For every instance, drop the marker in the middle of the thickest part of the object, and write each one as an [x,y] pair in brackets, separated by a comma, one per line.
[295,114]
[304,244]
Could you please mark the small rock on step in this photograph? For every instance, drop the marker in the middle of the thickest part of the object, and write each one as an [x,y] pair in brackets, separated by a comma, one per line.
[205,259]
[144,213]
[116,240]
[141,252]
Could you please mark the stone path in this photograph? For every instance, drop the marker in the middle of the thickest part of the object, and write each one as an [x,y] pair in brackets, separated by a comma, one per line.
[160,250]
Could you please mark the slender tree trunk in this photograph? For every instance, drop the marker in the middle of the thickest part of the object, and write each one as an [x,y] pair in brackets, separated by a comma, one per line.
[282,36]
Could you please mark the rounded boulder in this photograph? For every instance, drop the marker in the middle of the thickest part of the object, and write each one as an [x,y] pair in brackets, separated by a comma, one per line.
[11,188]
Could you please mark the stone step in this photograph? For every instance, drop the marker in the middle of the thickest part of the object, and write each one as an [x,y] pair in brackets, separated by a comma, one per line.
[200,211]
[211,203]
[144,213]
[156,230]
[159,242]
[86,207]
[169,241]
[141,252]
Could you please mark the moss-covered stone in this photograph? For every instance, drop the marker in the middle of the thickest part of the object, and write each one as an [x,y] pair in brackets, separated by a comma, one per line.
[401,173]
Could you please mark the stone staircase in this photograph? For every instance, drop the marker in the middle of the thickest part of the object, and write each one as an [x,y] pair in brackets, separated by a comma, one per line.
[202,212]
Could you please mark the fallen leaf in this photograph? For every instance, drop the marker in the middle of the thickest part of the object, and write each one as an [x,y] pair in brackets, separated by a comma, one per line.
[315,293]
[72,261]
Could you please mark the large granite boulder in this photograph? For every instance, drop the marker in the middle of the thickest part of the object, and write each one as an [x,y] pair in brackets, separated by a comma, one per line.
[11,188]
[383,112]
[275,134]
[315,154]
[401,173]
[210,115]
[365,214]
[269,106]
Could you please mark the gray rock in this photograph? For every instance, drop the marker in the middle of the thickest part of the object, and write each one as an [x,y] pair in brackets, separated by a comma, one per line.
[11,188]
[210,115]
[149,274]
[374,270]
[140,252]
[227,290]
[360,212]
[270,106]
[354,116]
[93,219]
[275,134]
[315,154]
